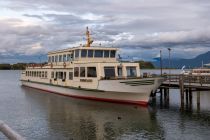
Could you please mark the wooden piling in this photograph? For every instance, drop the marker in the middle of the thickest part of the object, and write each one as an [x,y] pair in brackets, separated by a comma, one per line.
[198,100]
[181,85]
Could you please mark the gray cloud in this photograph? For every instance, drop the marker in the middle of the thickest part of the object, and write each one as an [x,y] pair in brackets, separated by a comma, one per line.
[140,28]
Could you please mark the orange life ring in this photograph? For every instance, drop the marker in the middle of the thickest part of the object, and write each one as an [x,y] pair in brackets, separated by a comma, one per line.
[64,64]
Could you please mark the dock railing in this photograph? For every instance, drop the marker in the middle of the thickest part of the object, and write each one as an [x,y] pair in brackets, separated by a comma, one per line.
[187,79]
[9,133]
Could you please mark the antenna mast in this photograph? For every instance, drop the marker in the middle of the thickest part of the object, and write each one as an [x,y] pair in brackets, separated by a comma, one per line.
[89,40]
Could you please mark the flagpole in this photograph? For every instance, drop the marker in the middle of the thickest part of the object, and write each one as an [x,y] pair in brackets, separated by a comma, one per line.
[161,65]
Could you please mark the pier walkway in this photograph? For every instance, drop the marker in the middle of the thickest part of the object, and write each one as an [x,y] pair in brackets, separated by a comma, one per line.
[186,84]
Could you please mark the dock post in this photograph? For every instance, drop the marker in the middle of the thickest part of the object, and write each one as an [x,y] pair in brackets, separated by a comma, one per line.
[190,99]
[186,96]
[181,85]
[198,100]
[161,97]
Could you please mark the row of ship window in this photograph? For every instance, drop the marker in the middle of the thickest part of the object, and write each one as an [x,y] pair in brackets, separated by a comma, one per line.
[83,54]
[78,72]
[41,74]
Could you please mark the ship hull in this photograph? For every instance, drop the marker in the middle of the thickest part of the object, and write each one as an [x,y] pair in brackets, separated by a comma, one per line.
[141,97]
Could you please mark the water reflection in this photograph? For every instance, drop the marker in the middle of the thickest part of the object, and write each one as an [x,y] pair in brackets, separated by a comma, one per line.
[82,119]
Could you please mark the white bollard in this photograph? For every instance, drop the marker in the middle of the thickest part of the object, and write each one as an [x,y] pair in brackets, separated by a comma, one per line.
[9,133]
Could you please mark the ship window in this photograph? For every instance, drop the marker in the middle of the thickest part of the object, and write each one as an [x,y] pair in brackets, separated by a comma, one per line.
[91,72]
[84,53]
[60,75]
[68,57]
[53,60]
[131,71]
[112,54]
[60,58]
[106,53]
[109,72]
[42,74]
[98,53]
[35,74]
[64,75]
[45,74]
[77,53]
[70,75]
[56,75]
[49,59]
[90,53]
[64,58]
[52,74]
[82,71]
[76,72]
[56,58]
[72,55]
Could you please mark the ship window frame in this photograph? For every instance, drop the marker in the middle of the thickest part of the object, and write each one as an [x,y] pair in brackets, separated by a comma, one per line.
[82,72]
[76,71]
[42,74]
[92,75]
[52,74]
[56,58]
[90,55]
[105,56]
[49,59]
[109,72]
[71,75]
[60,58]
[84,53]
[53,58]
[45,74]
[112,55]
[68,58]
[77,52]
[98,54]
[129,68]
[64,58]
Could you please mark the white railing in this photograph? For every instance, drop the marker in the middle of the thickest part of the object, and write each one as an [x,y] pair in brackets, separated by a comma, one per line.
[9,133]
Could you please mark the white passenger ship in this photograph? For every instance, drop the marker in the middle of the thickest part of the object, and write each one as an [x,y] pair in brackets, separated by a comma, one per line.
[91,72]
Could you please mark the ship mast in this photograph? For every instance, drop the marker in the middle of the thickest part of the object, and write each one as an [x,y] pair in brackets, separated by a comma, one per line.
[89,40]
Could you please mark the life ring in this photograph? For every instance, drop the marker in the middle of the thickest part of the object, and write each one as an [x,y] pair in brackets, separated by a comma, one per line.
[51,65]
[64,64]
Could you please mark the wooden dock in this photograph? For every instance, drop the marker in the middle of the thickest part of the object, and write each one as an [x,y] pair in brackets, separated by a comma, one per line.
[186,84]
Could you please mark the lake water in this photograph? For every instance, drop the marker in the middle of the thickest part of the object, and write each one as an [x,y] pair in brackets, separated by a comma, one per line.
[43,116]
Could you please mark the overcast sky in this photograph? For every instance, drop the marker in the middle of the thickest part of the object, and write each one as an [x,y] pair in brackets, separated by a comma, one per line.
[139,27]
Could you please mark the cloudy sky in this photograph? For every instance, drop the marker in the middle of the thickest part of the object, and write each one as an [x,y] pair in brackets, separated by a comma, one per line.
[29,29]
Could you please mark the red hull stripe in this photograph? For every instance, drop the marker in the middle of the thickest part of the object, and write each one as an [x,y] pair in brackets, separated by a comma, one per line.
[142,103]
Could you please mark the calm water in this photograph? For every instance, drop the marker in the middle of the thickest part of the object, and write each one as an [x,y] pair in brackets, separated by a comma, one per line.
[40,115]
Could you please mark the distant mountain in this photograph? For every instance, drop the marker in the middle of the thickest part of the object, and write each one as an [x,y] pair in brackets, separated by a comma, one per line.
[189,63]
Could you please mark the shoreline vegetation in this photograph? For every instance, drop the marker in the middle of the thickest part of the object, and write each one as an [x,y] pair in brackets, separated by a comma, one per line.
[22,66]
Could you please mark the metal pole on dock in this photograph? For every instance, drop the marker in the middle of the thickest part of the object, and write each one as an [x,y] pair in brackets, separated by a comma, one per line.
[161,64]
[169,67]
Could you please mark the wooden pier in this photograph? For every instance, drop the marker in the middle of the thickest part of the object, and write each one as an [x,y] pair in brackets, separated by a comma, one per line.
[186,84]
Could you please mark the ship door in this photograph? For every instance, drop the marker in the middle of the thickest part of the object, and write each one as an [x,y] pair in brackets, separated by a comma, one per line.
[119,71]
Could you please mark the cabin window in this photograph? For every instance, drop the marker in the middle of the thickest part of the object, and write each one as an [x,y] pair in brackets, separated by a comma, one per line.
[109,72]
[42,74]
[76,72]
[68,57]
[60,75]
[98,53]
[56,58]
[106,53]
[56,75]
[70,75]
[64,58]
[83,53]
[52,74]
[35,74]
[45,75]
[49,59]
[64,75]
[39,73]
[53,60]
[112,54]
[91,72]
[60,58]
[77,53]
[119,71]
[131,71]
[90,53]
[82,71]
